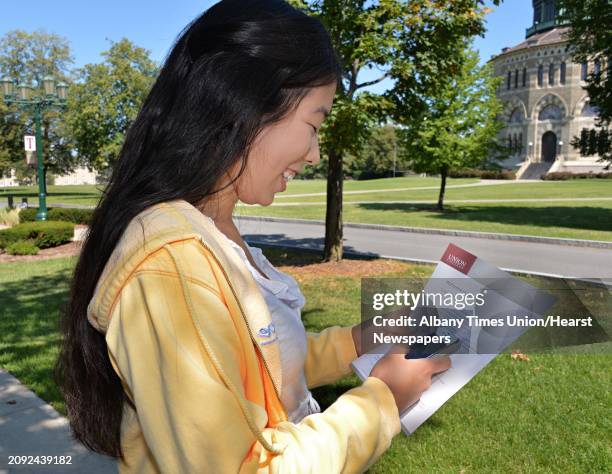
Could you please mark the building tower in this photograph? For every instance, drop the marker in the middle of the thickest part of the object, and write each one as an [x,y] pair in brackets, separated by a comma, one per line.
[545,105]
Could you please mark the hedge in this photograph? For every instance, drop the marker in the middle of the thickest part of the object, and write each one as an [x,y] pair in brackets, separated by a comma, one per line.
[564,175]
[22,247]
[485,174]
[44,234]
[66,214]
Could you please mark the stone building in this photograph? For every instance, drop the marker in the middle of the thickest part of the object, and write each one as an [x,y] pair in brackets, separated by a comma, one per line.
[545,105]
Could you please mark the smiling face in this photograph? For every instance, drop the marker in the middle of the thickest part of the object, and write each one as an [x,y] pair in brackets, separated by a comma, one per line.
[285,147]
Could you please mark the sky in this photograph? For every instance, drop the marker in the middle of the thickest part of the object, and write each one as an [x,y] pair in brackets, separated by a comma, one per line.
[154,24]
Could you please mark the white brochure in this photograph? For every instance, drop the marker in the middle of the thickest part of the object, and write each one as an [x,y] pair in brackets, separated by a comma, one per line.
[461,272]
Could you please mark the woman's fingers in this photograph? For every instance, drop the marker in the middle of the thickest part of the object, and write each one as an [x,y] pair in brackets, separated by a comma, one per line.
[439,363]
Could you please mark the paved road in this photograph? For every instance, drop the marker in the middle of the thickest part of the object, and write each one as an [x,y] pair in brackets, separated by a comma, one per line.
[559,260]
[31,427]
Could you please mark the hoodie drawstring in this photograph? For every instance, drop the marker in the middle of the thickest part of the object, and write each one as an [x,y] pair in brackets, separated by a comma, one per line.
[228,382]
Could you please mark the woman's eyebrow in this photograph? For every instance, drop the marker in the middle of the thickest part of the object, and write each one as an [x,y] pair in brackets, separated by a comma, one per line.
[323,110]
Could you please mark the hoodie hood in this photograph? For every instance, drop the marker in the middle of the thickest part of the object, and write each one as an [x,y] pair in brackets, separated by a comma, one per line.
[174,221]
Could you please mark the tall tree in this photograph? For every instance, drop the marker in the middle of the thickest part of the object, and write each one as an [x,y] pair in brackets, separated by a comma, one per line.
[396,38]
[591,40]
[10,139]
[105,100]
[28,58]
[460,125]
[379,157]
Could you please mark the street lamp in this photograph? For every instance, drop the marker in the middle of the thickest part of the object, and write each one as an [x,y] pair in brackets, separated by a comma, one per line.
[23,95]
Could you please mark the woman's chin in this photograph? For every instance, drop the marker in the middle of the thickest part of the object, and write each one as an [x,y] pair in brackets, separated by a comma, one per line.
[260,201]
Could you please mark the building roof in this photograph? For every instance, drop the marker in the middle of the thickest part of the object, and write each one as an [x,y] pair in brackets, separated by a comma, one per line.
[556,35]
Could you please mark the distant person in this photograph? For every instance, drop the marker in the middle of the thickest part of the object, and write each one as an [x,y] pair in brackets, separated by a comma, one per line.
[183,348]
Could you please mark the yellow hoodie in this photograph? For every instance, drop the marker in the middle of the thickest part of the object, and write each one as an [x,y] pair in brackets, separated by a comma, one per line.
[185,324]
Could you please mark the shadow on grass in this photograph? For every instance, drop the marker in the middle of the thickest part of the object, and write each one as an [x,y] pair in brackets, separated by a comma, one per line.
[29,330]
[573,217]
[310,249]
[328,394]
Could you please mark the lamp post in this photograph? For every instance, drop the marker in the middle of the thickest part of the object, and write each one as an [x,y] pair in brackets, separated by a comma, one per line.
[394,156]
[54,97]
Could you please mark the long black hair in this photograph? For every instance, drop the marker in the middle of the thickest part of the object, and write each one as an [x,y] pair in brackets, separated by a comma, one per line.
[241,65]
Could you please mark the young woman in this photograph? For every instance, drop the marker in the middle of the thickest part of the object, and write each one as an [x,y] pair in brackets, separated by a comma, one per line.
[183,349]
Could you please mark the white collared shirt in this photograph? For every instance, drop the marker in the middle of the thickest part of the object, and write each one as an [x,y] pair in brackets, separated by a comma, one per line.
[285,301]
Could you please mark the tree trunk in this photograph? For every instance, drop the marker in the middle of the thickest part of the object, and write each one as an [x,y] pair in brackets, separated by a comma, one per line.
[333,213]
[443,173]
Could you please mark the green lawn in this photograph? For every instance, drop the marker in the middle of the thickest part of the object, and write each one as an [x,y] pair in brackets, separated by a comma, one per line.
[84,195]
[31,294]
[594,188]
[550,414]
[569,219]
[582,220]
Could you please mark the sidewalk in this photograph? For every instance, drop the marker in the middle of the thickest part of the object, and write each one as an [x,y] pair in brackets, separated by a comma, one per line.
[31,427]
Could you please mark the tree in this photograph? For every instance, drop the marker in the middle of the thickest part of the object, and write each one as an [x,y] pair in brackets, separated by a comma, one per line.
[590,40]
[29,57]
[378,155]
[10,139]
[396,38]
[461,124]
[105,100]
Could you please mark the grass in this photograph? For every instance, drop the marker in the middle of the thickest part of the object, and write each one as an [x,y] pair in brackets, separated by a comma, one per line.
[591,220]
[550,414]
[594,188]
[73,194]
[582,220]
[31,295]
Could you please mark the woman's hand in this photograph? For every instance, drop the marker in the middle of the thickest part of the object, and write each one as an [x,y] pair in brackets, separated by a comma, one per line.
[363,333]
[408,378]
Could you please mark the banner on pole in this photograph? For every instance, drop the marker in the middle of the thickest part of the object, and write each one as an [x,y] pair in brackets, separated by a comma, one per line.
[30,142]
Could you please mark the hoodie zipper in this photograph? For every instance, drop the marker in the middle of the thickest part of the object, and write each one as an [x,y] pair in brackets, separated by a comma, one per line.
[243,316]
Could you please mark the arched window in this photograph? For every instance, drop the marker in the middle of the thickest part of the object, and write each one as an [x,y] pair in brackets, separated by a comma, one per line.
[516,143]
[516,116]
[551,112]
[537,12]
[520,142]
[584,71]
[549,10]
[540,75]
[589,110]
[516,74]
[562,73]
[551,74]
[597,67]
[509,80]
[524,76]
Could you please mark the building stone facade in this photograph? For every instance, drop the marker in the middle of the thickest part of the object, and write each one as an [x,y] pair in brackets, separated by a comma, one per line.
[79,176]
[545,104]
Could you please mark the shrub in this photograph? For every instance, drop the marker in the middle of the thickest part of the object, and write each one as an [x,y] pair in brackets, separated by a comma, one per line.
[22,247]
[43,233]
[9,216]
[565,175]
[484,174]
[66,214]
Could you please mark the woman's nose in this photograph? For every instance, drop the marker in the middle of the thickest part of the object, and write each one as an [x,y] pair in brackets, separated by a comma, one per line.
[314,156]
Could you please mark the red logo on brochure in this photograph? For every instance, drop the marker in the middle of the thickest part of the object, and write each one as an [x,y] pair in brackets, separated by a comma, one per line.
[458,258]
